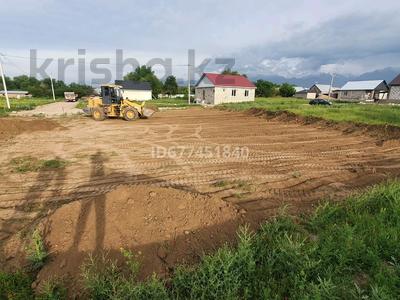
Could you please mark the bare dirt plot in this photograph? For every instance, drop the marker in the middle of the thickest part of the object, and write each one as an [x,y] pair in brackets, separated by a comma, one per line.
[194,151]
[52,110]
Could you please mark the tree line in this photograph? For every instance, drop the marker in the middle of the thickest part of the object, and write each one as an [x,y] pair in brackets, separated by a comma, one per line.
[170,85]
[42,88]
[146,74]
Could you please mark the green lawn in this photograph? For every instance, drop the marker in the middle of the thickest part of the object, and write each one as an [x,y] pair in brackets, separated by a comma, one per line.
[340,112]
[21,104]
[167,102]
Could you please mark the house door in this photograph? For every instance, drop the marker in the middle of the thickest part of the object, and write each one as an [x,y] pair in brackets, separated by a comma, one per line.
[204,94]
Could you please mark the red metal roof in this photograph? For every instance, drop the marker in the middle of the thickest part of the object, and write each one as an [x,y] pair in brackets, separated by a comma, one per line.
[229,80]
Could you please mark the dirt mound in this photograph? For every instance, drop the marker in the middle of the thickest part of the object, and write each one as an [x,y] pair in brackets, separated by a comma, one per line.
[164,225]
[10,127]
[382,132]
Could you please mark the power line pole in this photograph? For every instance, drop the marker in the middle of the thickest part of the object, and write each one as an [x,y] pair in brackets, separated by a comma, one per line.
[189,84]
[330,87]
[4,84]
[52,89]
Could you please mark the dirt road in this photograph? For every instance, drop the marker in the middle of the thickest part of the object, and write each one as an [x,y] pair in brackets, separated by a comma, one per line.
[52,110]
[257,164]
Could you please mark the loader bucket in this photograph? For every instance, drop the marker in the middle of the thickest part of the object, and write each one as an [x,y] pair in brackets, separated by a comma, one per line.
[148,112]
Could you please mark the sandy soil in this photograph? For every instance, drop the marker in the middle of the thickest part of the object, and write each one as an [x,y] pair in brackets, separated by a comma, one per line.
[164,226]
[11,127]
[52,110]
[279,163]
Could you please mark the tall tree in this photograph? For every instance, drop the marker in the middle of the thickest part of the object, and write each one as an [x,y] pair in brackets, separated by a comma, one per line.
[146,74]
[170,86]
[265,88]
[42,88]
[229,71]
[287,90]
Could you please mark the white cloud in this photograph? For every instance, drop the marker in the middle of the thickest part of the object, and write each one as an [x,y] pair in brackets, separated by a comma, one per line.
[287,38]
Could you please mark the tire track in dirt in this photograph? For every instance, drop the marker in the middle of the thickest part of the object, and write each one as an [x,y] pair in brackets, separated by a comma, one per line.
[287,163]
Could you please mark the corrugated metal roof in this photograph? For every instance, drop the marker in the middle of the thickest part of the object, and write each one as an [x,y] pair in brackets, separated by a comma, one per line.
[324,88]
[134,85]
[361,85]
[299,88]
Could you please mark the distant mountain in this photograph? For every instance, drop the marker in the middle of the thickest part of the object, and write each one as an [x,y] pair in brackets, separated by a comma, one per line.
[387,74]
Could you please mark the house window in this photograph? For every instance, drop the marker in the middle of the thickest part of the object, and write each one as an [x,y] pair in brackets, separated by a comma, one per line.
[233,93]
[204,95]
[246,93]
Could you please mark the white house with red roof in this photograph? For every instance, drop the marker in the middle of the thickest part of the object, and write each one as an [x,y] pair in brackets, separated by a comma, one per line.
[217,88]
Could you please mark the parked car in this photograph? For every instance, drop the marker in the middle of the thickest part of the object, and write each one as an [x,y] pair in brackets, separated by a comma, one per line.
[320,102]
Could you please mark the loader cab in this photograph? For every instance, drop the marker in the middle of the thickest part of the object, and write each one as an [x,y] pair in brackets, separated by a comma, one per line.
[110,95]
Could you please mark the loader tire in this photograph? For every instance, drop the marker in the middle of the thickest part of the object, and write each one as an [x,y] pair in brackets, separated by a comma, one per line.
[98,114]
[130,114]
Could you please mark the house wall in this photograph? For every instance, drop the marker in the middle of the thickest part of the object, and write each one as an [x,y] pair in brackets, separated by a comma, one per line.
[356,95]
[306,95]
[315,90]
[138,95]
[394,93]
[224,95]
[205,94]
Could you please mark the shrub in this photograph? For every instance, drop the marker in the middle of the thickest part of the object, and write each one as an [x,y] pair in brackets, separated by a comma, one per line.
[15,286]
[287,90]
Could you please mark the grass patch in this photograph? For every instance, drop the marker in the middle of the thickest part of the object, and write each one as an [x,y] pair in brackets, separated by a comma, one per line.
[169,102]
[340,111]
[346,250]
[15,286]
[22,104]
[243,185]
[26,164]
[220,183]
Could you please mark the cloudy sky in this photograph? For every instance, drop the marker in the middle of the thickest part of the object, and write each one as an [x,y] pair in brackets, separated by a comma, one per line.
[286,38]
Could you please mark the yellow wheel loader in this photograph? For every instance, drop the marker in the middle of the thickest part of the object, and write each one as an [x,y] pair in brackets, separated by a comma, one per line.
[111,104]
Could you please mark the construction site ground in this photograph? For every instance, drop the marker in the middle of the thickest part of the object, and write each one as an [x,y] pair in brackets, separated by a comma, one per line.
[171,187]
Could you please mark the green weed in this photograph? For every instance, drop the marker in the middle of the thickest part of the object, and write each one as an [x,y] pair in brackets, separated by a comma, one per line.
[52,290]
[36,251]
[16,286]
[220,183]
[26,164]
